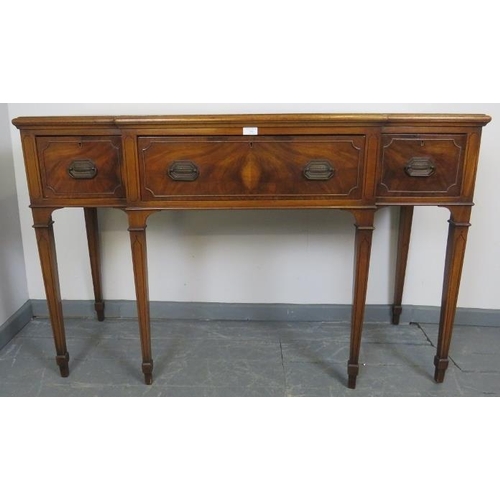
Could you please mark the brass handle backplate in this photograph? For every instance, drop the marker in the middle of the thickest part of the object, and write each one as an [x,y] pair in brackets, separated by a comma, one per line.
[82,170]
[420,167]
[183,171]
[319,170]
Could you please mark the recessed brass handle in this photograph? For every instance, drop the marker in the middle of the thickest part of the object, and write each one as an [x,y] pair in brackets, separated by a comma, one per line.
[82,170]
[420,167]
[319,170]
[183,171]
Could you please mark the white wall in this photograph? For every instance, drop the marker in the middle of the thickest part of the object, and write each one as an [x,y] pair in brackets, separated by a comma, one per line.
[13,287]
[270,257]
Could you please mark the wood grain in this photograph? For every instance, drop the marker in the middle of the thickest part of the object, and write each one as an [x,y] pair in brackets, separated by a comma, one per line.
[405,224]
[137,229]
[251,167]
[44,229]
[363,245]
[56,154]
[370,160]
[92,227]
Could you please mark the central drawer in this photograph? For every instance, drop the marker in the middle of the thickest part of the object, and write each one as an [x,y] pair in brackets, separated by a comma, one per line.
[285,167]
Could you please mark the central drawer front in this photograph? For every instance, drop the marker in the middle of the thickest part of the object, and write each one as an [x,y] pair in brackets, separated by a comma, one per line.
[214,167]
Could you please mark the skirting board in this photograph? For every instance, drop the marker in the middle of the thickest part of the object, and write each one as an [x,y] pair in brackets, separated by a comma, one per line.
[242,312]
[15,324]
[269,312]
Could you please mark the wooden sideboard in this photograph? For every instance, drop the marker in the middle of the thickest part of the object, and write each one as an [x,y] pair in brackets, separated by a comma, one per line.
[357,163]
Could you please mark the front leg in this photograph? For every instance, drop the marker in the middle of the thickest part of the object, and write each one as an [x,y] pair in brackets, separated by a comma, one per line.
[364,234]
[137,229]
[44,230]
[457,241]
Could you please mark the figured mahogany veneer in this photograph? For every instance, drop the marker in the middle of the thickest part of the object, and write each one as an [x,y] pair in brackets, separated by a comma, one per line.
[81,167]
[358,163]
[259,167]
[433,165]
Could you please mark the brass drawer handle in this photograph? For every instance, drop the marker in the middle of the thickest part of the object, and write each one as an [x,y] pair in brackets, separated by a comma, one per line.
[82,170]
[319,170]
[183,171]
[420,167]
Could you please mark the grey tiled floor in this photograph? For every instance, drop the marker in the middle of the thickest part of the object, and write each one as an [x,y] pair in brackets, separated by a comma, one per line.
[218,358]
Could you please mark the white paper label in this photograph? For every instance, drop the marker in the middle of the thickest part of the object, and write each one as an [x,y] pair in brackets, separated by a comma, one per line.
[250,131]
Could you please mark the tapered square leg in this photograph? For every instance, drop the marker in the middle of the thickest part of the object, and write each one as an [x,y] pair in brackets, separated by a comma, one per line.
[459,225]
[92,227]
[352,373]
[405,224]
[364,235]
[44,230]
[137,229]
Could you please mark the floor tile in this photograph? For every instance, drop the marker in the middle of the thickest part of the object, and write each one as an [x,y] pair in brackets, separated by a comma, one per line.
[300,375]
[247,359]
[32,347]
[95,390]
[174,348]
[473,349]
[220,373]
[476,384]
[479,340]
[481,363]
[110,372]
[222,392]
[217,330]
[315,351]
[23,370]
[19,390]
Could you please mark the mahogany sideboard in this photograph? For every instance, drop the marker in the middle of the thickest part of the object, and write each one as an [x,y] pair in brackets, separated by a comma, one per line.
[350,162]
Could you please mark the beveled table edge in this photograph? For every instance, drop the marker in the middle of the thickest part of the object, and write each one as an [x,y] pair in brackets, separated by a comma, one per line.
[253,119]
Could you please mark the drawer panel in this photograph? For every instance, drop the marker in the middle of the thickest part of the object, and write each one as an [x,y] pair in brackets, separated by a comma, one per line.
[80,167]
[193,168]
[422,165]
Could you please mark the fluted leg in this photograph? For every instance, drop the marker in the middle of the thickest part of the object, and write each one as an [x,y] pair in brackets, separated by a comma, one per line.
[43,225]
[457,241]
[405,224]
[137,228]
[92,226]
[364,234]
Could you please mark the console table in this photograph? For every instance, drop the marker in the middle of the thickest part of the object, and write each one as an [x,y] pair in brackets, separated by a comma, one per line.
[357,163]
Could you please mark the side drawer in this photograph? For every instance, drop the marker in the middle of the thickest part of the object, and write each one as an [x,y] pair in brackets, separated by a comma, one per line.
[422,165]
[80,167]
[223,167]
